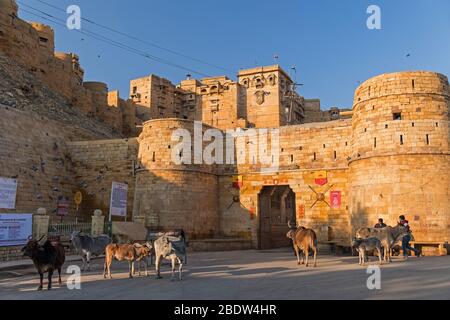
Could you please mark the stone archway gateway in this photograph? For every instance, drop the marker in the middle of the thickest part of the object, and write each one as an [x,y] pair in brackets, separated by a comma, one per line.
[276,208]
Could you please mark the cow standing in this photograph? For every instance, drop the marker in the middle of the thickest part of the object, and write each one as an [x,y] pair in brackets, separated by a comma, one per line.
[128,252]
[303,241]
[388,237]
[170,250]
[88,246]
[363,246]
[143,251]
[46,258]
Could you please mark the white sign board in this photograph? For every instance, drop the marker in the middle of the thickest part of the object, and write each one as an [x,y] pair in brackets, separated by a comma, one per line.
[8,191]
[119,196]
[15,228]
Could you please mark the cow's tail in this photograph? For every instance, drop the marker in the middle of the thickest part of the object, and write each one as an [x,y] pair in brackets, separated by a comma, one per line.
[314,242]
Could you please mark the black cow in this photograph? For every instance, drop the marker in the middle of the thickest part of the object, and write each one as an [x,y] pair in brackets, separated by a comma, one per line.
[46,258]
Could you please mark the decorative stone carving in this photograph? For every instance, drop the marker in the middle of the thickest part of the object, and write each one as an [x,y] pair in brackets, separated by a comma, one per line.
[259,82]
[272,79]
[261,96]
[245,82]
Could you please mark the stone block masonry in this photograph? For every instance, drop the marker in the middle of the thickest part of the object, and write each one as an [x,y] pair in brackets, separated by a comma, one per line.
[96,164]
[388,156]
[32,46]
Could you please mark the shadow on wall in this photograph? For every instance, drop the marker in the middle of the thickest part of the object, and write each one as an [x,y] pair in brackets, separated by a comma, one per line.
[167,200]
[358,219]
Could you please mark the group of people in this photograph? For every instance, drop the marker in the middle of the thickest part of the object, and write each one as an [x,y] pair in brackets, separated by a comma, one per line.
[406,238]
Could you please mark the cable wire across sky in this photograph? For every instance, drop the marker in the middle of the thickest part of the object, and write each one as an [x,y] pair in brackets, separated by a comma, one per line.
[146,42]
[60,22]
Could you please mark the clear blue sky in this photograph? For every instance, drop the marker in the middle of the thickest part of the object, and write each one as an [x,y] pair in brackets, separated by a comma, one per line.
[327,40]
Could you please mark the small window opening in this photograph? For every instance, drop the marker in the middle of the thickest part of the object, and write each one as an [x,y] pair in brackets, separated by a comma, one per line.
[374,142]
[428,139]
[397,116]
[401,139]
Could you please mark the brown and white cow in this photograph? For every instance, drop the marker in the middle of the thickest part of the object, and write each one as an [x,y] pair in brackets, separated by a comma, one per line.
[128,252]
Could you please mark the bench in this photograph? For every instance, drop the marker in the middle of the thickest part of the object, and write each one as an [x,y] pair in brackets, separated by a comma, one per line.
[441,245]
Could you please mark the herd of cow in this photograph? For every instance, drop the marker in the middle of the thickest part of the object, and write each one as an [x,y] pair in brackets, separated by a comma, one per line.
[378,241]
[50,256]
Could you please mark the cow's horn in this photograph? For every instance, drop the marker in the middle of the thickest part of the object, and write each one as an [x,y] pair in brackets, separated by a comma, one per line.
[42,237]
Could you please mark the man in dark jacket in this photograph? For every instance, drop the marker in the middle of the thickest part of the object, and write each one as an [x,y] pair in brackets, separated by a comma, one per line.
[380,224]
[407,238]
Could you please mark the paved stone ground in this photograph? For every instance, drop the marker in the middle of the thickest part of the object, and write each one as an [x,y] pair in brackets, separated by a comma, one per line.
[249,275]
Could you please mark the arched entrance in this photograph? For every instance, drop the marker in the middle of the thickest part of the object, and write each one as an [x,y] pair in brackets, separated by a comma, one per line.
[276,208]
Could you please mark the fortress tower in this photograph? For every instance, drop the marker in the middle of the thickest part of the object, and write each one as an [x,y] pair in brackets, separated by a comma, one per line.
[16,34]
[401,157]
[9,7]
[46,37]
[269,97]
[168,195]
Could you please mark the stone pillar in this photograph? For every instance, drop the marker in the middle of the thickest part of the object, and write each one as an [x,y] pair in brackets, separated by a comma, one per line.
[41,222]
[98,223]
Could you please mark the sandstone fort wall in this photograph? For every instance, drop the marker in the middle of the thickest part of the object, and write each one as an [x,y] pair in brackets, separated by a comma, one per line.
[390,157]
[32,46]
[96,164]
[401,152]
[35,151]
[170,196]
